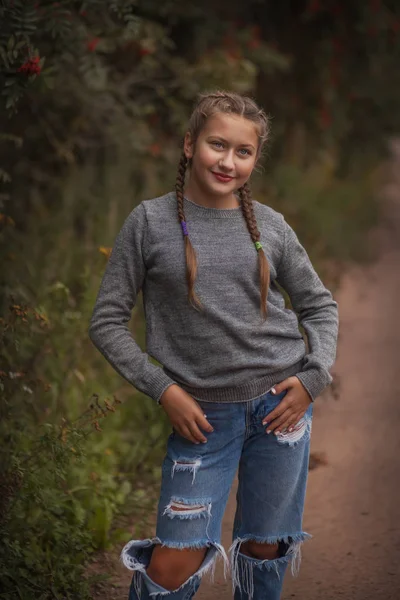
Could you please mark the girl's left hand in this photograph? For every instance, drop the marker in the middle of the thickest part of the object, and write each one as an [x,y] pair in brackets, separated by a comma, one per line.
[291,409]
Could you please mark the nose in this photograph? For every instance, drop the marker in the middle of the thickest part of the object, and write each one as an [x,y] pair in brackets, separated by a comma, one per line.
[226,161]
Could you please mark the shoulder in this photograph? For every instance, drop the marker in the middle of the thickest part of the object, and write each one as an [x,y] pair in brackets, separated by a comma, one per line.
[158,217]
[151,211]
[268,218]
[154,207]
[266,213]
[160,207]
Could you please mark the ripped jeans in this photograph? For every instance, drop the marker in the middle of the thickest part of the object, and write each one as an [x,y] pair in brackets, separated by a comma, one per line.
[196,480]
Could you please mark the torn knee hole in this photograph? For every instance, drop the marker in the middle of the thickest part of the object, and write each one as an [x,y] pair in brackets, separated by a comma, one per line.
[184,507]
[187,509]
[263,554]
[260,550]
[183,464]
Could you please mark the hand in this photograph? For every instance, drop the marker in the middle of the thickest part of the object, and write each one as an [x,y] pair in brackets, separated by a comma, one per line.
[291,409]
[185,414]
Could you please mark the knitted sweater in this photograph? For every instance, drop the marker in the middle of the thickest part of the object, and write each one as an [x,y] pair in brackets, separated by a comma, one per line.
[225,352]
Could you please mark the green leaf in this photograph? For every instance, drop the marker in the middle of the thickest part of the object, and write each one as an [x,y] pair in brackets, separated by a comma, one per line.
[10,102]
[4,176]
[18,141]
[3,56]
[98,577]
[20,44]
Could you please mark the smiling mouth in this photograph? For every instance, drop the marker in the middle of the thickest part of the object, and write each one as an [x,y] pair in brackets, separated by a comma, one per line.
[222,176]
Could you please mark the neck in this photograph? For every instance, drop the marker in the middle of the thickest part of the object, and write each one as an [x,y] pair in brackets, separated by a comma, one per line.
[194,192]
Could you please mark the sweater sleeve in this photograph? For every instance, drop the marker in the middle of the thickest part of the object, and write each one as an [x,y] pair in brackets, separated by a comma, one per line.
[121,283]
[316,310]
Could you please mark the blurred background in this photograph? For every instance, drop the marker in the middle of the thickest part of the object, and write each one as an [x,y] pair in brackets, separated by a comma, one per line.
[95,98]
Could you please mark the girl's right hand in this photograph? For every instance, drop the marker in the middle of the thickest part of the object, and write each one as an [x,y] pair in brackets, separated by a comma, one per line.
[185,414]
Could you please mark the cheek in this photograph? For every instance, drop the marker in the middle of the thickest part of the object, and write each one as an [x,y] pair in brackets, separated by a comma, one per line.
[245,168]
[206,157]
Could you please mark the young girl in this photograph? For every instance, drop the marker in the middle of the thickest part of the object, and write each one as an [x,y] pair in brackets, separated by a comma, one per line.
[237,380]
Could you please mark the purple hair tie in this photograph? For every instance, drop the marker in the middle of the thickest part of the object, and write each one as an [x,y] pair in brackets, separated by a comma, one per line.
[184,228]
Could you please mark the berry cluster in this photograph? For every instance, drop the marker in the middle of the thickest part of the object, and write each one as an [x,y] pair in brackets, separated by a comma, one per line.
[31,66]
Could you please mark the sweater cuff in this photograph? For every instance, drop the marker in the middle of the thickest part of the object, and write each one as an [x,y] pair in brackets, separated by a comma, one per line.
[314,381]
[158,384]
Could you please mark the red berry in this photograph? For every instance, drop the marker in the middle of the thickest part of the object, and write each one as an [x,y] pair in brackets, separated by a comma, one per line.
[314,6]
[91,44]
[325,117]
[375,5]
[31,66]
[396,26]
[253,44]
[155,149]
[144,51]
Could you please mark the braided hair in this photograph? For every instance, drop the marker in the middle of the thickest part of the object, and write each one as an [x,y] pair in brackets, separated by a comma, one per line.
[209,104]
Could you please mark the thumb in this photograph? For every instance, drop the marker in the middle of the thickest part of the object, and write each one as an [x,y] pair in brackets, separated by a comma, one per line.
[283,385]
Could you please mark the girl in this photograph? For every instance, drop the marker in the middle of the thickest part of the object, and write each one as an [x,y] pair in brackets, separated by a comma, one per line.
[237,380]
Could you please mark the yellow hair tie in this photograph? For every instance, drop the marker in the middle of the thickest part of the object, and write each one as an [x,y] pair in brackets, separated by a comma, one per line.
[258,245]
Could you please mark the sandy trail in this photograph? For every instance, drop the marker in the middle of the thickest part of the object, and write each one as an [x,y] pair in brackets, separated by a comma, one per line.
[353,501]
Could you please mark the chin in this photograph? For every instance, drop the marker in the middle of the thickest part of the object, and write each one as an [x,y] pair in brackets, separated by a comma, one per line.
[222,193]
[222,189]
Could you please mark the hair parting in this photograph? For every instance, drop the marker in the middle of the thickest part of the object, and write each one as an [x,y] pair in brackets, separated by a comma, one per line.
[208,104]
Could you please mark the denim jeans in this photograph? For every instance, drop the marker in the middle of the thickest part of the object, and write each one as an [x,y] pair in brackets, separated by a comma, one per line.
[196,480]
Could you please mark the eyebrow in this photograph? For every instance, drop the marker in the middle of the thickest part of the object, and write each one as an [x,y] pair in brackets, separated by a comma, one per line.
[226,141]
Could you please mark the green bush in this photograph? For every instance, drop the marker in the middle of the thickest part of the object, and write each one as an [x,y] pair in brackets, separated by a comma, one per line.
[59,492]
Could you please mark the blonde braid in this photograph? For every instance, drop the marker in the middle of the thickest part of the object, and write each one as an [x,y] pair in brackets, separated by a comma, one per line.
[251,222]
[190,254]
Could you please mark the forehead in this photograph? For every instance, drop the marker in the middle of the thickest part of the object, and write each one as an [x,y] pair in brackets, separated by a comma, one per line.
[233,128]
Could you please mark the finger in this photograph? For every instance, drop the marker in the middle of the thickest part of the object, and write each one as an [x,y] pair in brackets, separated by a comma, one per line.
[278,410]
[195,431]
[294,422]
[203,423]
[185,432]
[286,426]
[275,426]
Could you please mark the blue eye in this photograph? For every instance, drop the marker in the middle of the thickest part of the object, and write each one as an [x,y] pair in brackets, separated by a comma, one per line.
[221,145]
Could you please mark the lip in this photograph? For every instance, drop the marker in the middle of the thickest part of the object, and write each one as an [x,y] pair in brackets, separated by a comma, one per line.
[222,177]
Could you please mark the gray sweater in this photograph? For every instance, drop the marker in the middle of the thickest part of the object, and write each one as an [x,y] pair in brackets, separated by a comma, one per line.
[225,353]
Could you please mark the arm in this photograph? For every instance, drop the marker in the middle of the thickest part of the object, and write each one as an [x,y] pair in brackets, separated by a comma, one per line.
[122,281]
[316,310]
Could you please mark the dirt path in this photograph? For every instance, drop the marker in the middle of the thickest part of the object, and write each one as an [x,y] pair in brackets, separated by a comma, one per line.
[353,501]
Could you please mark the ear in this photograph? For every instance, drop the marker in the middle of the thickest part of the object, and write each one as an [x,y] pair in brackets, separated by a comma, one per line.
[188,145]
